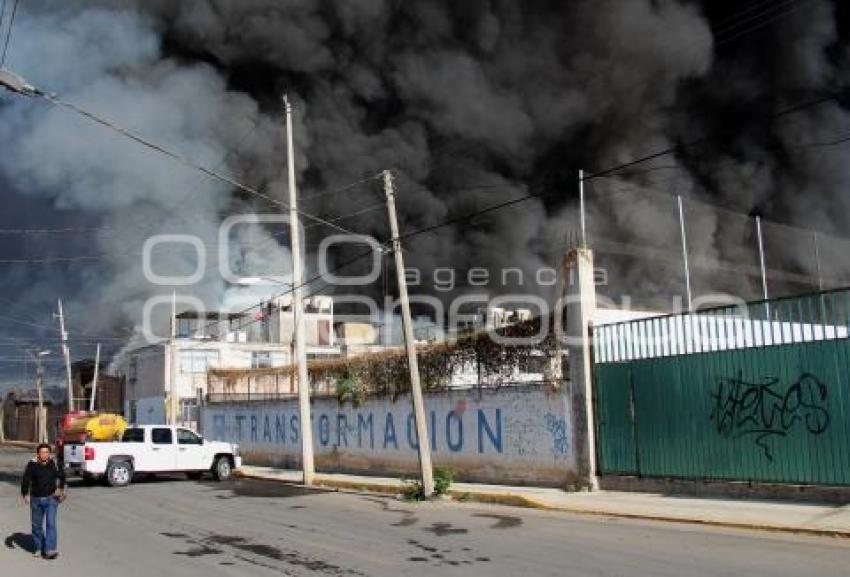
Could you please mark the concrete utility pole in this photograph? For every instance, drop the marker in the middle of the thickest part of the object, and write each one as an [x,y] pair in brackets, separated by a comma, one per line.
[581,208]
[39,385]
[171,418]
[761,258]
[410,345]
[41,422]
[66,353]
[817,260]
[307,466]
[94,379]
[581,299]
[685,251]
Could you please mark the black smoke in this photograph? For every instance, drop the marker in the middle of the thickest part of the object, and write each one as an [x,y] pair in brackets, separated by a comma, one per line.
[470,103]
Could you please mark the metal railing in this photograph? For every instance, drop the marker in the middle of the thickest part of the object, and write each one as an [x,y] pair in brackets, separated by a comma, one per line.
[782,321]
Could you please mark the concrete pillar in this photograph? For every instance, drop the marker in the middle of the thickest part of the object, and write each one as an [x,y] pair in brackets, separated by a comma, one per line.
[580,305]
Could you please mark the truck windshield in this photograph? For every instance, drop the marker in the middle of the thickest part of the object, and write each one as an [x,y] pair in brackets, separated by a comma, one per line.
[133,436]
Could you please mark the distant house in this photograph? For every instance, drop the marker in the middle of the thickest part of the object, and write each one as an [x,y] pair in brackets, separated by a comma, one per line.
[259,339]
[21,407]
[109,395]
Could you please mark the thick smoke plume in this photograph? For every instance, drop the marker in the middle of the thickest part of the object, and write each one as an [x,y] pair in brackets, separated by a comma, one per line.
[471,103]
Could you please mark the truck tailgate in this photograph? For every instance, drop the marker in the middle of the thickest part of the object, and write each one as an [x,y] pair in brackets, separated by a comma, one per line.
[74,455]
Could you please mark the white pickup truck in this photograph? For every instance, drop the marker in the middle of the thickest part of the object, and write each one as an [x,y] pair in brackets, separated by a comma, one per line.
[151,449]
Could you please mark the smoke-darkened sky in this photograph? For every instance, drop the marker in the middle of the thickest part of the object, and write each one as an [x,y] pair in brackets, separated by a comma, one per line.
[471,103]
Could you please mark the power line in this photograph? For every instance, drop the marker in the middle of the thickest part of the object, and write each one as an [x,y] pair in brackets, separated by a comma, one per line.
[760,10]
[67,230]
[824,144]
[182,159]
[20,322]
[2,15]
[602,173]
[9,31]
[778,11]
[354,184]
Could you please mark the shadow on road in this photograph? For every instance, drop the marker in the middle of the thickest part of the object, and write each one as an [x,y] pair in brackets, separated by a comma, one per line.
[13,478]
[21,540]
[259,488]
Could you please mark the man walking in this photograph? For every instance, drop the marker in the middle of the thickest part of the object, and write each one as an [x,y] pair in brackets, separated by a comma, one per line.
[43,486]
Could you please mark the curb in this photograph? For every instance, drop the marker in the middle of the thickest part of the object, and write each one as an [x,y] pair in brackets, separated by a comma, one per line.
[515,500]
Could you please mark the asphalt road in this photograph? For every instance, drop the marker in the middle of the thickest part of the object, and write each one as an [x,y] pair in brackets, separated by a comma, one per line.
[180,528]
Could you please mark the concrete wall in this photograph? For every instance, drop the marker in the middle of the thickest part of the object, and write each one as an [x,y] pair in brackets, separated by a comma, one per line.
[149,410]
[519,435]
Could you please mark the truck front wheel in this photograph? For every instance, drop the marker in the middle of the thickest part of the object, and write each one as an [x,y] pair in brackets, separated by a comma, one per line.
[222,468]
[119,474]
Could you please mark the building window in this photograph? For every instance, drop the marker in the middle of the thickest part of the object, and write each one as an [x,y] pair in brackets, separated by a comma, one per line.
[280,359]
[261,360]
[198,361]
[532,364]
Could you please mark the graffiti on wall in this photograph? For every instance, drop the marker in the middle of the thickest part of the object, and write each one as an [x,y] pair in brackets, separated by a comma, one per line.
[766,410]
[557,427]
[365,430]
[520,434]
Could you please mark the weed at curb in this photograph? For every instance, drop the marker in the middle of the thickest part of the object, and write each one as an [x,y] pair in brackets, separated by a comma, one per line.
[443,477]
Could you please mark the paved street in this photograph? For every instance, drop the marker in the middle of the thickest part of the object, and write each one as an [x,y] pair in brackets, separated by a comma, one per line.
[181,528]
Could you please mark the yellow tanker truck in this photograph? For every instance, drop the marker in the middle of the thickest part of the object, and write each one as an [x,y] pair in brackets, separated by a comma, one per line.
[87,426]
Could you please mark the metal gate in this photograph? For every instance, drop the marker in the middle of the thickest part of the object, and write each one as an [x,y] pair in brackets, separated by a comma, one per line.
[754,392]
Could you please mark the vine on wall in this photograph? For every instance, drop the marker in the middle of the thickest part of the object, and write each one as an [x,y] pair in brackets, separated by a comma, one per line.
[386,372]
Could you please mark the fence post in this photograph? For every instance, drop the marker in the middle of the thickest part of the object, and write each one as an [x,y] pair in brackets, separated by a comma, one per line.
[581,302]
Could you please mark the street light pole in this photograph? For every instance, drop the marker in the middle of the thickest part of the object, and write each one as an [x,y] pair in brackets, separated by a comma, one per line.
[307,466]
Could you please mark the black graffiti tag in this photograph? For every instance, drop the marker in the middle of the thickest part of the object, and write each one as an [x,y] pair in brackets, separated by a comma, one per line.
[742,408]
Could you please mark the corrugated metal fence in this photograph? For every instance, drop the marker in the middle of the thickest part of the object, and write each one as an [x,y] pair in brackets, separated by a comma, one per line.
[755,392]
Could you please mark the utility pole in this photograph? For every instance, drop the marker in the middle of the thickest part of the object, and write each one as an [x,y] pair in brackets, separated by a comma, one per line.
[763,268]
[410,344]
[41,418]
[39,385]
[307,466]
[172,365]
[581,208]
[94,379]
[66,353]
[817,260]
[685,251]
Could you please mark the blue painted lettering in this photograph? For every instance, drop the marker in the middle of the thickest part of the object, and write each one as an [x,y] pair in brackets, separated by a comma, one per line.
[456,444]
[412,435]
[484,428]
[341,430]
[280,429]
[362,424]
[293,428]
[389,432]
[324,430]
[267,430]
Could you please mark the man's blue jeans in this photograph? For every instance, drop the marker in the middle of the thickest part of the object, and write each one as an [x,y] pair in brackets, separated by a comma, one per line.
[44,509]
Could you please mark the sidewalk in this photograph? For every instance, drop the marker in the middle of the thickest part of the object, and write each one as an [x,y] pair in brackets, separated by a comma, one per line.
[829,520]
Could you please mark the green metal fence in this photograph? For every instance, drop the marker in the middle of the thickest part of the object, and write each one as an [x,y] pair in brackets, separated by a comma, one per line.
[754,392]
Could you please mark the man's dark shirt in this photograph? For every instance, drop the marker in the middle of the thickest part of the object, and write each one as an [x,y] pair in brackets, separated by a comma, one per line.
[41,480]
